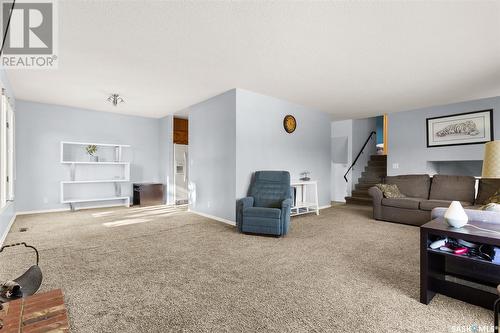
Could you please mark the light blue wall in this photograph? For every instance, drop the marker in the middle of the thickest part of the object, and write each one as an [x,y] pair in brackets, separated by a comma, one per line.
[212,159]
[236,133]
[407,138]
[41,128]
[263,144]
[9,211]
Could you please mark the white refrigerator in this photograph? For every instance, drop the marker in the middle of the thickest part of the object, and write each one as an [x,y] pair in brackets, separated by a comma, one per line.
[181,174]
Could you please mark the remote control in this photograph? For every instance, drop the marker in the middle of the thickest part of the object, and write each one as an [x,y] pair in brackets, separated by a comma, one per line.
[438,244]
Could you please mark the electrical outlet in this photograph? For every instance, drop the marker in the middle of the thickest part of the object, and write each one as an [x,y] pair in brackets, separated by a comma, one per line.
[395,165]
[45,200]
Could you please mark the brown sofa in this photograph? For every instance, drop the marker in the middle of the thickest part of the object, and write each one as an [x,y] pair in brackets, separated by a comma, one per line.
[423,193]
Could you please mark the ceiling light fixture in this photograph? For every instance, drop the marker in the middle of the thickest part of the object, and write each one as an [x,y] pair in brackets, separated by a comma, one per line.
[115,99]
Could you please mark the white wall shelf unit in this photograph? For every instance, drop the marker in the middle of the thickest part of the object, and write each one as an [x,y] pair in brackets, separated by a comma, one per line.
[81,162]
[95,181]
[302,204]
[90,175]
[72,201]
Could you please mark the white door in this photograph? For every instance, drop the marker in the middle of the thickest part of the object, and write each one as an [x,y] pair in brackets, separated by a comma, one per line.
[180,170]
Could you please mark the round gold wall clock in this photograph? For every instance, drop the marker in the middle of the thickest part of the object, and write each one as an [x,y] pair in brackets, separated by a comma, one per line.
[289,123]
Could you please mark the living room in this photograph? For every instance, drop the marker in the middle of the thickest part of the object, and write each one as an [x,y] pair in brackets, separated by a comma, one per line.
[249,166]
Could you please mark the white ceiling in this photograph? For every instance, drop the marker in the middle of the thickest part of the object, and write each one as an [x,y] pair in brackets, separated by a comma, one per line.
[351,59]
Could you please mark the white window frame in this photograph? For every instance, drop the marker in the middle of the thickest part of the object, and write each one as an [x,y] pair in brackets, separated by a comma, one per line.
[7,165]
[3,151]
[10,152]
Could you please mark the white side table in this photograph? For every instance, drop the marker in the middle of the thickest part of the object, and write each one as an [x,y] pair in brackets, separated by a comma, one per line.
[301,204]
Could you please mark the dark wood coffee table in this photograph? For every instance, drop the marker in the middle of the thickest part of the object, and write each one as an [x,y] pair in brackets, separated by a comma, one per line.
[468,279]
[44,312]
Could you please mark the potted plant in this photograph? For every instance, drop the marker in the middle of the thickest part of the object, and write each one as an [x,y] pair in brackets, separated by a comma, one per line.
[92,150]
[305,176]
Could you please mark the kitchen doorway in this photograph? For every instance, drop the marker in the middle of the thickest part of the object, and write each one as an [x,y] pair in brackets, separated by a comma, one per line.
[181,158]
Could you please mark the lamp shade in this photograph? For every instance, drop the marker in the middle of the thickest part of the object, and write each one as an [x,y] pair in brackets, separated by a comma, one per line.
[491,162]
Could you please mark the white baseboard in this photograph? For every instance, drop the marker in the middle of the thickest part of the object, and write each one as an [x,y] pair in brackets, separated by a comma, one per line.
[214,217]
[57,210]
[28,212]
[4,236]
[326,206]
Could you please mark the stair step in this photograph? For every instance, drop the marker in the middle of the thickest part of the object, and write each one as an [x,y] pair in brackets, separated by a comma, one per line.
[361,193]
[367,184]
[358,201]
[373,174]
[381,168]
[370,180]
[378,163]
[365,187]
[378,157]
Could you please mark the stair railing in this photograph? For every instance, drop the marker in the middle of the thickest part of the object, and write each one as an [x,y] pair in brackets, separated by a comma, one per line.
[359,154]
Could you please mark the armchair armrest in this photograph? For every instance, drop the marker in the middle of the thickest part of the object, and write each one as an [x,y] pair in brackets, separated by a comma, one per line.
[286,203]
[377,196]
[286,206]
[247,202]
[243,203]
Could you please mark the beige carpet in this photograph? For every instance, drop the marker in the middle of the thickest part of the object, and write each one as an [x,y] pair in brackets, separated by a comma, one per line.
[161,270]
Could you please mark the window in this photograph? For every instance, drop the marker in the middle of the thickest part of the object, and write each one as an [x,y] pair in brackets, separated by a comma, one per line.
[6,151]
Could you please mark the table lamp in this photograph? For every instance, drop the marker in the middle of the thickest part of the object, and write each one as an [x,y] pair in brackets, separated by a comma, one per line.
[491,161]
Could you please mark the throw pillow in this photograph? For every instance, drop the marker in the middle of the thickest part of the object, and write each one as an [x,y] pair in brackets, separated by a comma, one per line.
[495,198]
[390,191]
[491,207]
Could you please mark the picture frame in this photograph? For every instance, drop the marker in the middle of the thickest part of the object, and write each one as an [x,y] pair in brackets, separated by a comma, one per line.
[467,128]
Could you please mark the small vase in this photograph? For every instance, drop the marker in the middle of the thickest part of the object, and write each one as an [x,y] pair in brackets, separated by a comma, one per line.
[94,158]
[455,215]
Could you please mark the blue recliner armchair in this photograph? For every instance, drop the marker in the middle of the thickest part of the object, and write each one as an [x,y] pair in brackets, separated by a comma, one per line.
[266,209]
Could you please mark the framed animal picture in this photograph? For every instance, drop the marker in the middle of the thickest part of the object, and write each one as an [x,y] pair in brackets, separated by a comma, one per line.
[460,129]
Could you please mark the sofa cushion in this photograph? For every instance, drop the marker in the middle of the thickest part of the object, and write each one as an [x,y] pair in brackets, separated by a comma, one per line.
[431,204]
[408,203]
[487,188]
[459,188]
[414,186]
[390,191]
[272,213]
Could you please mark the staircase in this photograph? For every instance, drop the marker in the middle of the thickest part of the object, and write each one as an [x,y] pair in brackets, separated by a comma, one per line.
[373,174]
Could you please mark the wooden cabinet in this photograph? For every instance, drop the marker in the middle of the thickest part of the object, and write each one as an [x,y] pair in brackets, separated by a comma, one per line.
[181,131]
[148,194]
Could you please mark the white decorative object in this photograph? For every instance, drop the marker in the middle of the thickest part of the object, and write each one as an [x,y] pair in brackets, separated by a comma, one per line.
[85,176]
[455,215]
[301,205]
